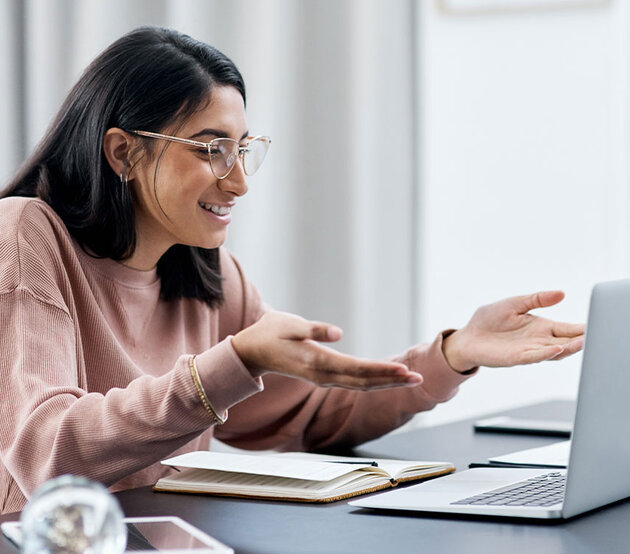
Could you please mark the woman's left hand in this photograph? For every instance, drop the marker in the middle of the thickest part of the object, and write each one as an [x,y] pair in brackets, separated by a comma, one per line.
[505,334]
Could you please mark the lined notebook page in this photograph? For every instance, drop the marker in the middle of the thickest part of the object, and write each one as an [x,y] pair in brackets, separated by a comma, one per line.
[223,481]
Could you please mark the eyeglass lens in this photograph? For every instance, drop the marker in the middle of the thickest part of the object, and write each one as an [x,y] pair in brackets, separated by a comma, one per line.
[224,153]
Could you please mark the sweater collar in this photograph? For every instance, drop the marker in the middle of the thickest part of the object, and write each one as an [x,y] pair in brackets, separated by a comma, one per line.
[117,271]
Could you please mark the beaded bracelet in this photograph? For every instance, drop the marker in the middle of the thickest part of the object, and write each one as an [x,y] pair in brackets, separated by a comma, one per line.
[192,365]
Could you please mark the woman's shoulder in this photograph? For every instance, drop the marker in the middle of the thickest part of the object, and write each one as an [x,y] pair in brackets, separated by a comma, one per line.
[235,283]
[242,303]
[32,239]
[20,216]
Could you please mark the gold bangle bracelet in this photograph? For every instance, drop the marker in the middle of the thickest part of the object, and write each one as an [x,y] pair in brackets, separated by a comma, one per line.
[192,365]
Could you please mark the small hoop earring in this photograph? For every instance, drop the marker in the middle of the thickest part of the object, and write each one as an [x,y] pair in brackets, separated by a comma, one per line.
[124,179]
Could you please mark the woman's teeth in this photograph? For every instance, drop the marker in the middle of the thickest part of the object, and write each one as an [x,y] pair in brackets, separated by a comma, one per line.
[218,210]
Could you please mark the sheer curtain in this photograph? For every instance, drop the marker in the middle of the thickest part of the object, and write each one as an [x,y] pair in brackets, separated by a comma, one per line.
[327,229]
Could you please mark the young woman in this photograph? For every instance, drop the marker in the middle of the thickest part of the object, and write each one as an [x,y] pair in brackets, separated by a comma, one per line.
[128,331]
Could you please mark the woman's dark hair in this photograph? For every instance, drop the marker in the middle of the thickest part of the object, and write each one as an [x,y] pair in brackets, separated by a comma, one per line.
[148,79]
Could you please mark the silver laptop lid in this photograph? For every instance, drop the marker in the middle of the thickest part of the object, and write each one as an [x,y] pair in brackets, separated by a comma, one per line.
[599,462]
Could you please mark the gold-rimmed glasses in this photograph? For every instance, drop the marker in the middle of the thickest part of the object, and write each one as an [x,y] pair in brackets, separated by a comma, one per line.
[223,152]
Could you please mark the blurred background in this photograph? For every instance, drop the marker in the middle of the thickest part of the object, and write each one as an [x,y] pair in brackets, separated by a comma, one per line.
[428,156]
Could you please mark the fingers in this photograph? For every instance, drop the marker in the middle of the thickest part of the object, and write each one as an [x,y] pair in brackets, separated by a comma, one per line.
[552,352]
[570,348]
[326,367]
[374,383]
[333,333]
[541,299]
[293,347]
[364,375]
[559,329]
[322,332]
[301,329]
[541,354]
[331,362]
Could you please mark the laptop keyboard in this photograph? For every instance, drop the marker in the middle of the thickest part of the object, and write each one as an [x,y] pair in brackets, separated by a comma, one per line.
[544,490]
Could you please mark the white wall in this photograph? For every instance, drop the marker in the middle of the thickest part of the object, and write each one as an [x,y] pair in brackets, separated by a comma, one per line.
[11,147]
[522,162]
[326,229]
[523,167]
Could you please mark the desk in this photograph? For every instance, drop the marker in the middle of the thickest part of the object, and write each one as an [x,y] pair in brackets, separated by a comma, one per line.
[276,527]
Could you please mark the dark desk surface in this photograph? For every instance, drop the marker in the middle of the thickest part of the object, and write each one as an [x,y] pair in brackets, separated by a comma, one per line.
[277,527]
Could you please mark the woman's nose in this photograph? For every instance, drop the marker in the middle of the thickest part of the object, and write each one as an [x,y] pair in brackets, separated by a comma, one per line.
[236,182]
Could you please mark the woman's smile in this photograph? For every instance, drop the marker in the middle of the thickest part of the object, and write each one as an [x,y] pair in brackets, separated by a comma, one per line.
[222,213]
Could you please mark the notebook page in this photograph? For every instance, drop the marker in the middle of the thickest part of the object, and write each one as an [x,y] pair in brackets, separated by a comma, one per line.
[235,483]
[262,465]
[391,467]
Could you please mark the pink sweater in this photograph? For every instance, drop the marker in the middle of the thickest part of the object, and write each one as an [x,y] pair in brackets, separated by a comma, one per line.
[95,382]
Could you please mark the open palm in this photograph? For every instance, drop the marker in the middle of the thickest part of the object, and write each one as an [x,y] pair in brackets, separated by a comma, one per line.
[505,334]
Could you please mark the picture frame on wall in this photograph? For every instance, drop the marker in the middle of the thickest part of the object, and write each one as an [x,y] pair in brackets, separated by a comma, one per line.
[472,7]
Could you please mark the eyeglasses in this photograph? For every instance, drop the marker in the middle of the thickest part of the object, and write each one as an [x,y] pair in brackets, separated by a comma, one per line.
[223,152]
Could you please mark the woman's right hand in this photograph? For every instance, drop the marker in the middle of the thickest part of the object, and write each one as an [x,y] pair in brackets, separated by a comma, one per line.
[288,344]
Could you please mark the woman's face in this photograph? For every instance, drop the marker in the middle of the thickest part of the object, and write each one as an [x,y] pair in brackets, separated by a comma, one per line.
[183,202]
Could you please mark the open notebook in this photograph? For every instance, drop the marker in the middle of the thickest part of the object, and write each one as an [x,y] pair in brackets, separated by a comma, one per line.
[290,476]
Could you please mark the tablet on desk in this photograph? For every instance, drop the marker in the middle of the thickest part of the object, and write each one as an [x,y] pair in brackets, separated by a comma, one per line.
[507,424]
[151,534]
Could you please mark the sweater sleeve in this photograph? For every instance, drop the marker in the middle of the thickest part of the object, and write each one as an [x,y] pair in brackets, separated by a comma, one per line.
[52,425]
[56,416]
[291,414]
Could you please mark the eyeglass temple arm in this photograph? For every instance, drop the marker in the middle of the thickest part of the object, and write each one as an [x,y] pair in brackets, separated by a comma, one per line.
[172,139]
[194,142]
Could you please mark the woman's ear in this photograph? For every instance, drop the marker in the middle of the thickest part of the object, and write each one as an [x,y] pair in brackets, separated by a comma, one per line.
[116,146]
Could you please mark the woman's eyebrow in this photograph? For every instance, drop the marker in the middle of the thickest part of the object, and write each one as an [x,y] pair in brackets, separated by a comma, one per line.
[216,133]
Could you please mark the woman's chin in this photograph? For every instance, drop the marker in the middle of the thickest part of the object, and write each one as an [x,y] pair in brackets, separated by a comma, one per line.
[212,242]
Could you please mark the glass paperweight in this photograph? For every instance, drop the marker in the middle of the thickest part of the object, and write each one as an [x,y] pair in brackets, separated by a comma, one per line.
[73,514]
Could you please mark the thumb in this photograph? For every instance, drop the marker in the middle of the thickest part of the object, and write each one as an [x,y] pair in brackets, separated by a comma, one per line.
[541,299]
[325,332]
[299,328]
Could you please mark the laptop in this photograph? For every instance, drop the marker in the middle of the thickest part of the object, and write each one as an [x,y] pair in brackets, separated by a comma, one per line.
[597,471]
